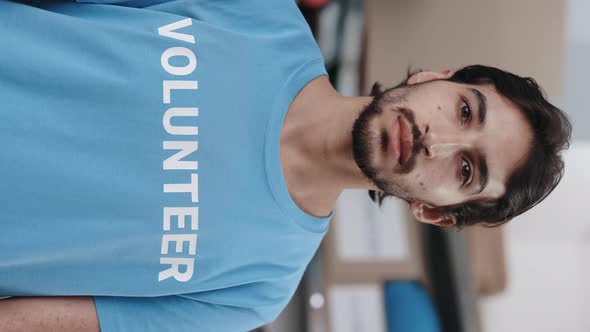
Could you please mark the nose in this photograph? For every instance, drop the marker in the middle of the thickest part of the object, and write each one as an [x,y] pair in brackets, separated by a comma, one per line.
[439,145]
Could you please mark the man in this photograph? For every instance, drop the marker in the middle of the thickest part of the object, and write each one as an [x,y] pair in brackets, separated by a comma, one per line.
[173,165]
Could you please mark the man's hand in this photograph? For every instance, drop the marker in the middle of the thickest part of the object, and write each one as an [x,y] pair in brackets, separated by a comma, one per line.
[48,314]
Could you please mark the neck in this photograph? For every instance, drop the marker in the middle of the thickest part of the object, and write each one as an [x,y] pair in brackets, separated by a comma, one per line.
[316,147]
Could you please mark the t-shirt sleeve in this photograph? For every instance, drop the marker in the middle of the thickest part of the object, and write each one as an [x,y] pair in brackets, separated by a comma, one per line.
[127,3]
[172,313]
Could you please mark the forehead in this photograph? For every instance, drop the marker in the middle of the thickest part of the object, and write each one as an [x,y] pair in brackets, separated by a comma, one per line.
[504,139]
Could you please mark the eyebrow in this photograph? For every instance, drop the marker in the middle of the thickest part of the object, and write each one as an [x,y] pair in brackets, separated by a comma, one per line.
[482,108]
[482,105]
[483,174]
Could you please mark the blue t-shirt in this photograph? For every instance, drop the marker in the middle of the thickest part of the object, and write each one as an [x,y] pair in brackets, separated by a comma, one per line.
[140,159]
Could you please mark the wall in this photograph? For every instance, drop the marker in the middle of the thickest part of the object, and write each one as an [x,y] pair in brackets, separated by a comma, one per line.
[577,68]
[524,36]
[548,248]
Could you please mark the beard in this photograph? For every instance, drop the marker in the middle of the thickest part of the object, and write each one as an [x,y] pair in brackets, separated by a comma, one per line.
[367,142]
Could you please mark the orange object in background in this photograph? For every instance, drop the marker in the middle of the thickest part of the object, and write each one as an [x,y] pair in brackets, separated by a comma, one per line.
[314,3]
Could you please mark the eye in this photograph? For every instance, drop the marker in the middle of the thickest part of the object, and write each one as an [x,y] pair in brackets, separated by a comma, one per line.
[465,112]
[465,171]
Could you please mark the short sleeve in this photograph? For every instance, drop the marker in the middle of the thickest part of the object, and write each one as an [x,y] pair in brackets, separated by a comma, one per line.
[172,313]
[126,3]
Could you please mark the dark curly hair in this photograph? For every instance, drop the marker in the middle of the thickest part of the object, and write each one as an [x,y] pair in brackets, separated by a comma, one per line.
[538,176]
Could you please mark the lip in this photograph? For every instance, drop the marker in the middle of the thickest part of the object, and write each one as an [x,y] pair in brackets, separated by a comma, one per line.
[394,138]
[405,141]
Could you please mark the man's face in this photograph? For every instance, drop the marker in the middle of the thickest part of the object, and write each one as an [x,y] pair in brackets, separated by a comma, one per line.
[440,142]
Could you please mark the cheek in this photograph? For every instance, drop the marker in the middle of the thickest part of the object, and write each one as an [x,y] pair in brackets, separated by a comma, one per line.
[431,173]
[430,182]
[420,182]
[443,196]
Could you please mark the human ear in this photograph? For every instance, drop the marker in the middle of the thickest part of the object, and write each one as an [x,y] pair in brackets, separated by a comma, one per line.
[426,76]
[427,214]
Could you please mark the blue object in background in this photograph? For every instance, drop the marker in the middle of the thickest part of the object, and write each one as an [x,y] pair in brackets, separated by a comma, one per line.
[408,308]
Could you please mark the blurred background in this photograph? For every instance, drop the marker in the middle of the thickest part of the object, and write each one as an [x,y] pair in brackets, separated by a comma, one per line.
[379,270]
